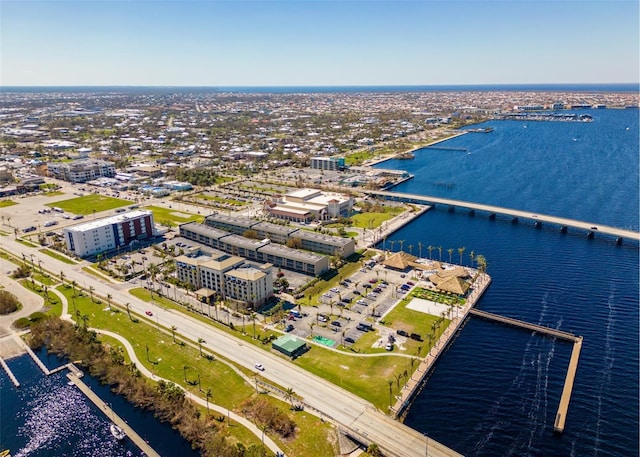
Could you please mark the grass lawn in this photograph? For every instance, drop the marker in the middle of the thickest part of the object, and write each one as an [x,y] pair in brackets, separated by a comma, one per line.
[59,257]
[171,217]
[27,243]
[366,377]
[88,204]
[227,201]
[5,203]
[375,220]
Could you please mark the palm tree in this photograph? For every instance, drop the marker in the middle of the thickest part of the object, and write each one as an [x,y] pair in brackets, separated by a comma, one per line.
[184,369]
[482,263]
[62,277]
[208,395]
[253,319]
[200,343]
[173,332]
[91,290]
[429,248]
[450,251]
[109,297]
[420,249]
[401,245]
[342,337]
[410,247]
[392,243]
[311,325]
[472,256]
[461,251]
[440,251]
[73,286]
[128,305]
[390,392]
[289,395]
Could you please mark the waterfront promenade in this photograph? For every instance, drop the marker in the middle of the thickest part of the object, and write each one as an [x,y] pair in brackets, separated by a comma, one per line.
[590,227]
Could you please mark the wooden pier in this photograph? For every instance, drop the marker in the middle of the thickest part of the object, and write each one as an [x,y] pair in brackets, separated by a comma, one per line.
[522,324]
[6,368]
[563,406]
[561,415]
[137,439]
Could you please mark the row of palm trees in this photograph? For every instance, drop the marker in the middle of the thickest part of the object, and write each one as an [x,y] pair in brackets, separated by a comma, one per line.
[479,259]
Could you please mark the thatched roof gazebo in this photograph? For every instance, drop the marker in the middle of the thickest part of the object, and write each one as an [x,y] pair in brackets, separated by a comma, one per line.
[400,261]
[452,280]
[451,284]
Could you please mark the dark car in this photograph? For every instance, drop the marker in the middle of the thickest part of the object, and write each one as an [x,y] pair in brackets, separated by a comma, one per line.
[367,286]
[349,340]
[29,229]
[346,300]
[289,328]
[402,333]
[336,323]
[357,292]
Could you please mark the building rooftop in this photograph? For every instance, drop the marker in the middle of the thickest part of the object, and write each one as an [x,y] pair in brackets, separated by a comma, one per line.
[116,219]
[205,230]
[294,254]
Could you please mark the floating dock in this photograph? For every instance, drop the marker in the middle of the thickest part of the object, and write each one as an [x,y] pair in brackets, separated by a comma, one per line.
[137,439]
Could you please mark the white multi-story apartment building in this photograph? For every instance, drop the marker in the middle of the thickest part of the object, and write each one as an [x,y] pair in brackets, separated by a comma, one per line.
[107,234]
[229,276]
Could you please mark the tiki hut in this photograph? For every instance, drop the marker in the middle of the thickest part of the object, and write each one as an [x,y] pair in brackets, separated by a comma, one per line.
[452,280]
[400,261]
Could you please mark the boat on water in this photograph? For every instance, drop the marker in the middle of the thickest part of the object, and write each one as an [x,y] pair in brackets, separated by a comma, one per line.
[116,431]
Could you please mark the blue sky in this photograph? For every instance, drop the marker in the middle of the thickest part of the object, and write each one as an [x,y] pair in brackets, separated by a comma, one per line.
[282,43]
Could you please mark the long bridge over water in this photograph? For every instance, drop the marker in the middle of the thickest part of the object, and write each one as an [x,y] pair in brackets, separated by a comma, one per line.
[538,219]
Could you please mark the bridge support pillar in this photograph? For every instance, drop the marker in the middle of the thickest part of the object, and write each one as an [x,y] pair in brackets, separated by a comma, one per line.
[619,240]
[590,234]
[563,229]
[538,224]
[514,220]
[452,209]
[492,216]
[472,212]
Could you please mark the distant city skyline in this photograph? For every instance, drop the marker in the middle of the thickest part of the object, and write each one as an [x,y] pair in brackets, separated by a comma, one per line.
[326,43]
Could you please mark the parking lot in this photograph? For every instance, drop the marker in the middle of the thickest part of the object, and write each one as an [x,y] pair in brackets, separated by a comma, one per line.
[369,293]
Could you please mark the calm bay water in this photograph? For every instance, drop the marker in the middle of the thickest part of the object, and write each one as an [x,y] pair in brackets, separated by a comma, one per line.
[496,390]
[46,417]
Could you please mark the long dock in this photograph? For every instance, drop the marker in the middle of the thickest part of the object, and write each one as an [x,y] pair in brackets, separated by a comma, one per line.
[518,323]
[563,406]
[590,227]
[137,439]
[6,368]
[561,415]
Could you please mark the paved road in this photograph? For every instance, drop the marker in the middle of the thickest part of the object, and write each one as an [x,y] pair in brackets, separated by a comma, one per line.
[343,407]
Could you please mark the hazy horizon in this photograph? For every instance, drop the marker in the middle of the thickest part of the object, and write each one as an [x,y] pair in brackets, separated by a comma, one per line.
[318,43]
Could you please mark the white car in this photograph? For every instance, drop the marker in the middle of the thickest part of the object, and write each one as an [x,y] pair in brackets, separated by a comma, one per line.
[259,366]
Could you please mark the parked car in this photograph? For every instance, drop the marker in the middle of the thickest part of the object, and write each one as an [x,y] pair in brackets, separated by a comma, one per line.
[389,347]
[50,223]
[289,328]
[29,229]
[336,323]
[349,340]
